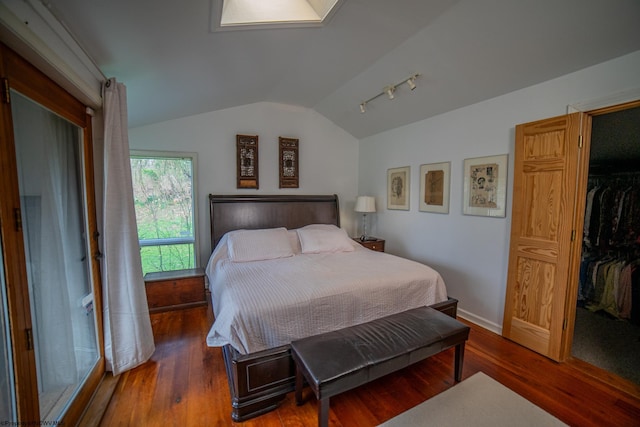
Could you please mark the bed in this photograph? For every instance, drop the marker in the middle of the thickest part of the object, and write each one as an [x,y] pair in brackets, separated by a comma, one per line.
[282,269]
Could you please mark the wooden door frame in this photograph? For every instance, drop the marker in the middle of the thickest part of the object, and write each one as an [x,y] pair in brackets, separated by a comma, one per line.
[19,309]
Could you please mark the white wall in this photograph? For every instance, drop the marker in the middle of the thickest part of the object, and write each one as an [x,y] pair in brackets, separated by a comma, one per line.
[328,154]
[471,252]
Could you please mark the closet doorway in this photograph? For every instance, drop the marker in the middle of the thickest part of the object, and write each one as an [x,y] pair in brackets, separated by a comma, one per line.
[607,323]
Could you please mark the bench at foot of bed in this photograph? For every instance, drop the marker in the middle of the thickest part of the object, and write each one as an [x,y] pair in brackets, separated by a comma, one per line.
[259,382]
[341,360]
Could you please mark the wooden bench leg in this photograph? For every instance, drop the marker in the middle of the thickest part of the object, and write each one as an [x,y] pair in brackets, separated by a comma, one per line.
[323,412]
[299,386]
[459,359]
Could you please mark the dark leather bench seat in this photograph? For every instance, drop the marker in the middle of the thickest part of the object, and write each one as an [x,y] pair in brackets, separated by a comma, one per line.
[341,360]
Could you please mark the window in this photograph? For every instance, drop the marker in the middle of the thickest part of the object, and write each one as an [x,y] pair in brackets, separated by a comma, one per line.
[163,192]
[252,14]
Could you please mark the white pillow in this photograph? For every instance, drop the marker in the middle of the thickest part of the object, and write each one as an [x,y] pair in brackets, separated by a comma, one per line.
[294,241]
[315,239]
[258,245]
[329,227]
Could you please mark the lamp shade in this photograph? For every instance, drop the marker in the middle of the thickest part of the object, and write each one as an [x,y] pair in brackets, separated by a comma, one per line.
[365,204]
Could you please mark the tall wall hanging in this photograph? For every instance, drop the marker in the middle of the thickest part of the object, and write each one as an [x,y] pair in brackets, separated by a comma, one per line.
[247,161]
[289,165]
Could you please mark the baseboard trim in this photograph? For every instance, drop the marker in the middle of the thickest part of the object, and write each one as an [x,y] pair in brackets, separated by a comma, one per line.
[480,321]
[100,400]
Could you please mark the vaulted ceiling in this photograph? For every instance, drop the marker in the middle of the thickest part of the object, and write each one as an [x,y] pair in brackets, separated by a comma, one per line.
[175,64]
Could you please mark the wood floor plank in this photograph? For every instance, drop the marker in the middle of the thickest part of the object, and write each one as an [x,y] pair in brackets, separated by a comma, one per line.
[185,384]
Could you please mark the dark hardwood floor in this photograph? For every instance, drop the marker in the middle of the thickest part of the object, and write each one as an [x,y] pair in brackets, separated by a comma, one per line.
[184,384]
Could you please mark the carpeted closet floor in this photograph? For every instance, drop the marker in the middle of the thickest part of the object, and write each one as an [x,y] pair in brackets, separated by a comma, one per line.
[608,343]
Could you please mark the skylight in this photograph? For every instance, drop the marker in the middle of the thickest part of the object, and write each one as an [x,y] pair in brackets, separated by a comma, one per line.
[250,14]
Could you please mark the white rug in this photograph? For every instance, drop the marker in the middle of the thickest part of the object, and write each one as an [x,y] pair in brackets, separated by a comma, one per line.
[477,401]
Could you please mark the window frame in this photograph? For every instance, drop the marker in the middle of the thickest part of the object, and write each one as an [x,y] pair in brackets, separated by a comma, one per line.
[193,156]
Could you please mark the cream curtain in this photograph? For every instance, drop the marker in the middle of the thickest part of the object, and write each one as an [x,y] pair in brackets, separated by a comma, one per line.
[127,327]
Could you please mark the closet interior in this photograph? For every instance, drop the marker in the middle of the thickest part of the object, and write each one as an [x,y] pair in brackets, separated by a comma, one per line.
[607,325]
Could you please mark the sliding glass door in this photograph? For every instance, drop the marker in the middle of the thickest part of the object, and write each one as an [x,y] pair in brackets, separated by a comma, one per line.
[50,163]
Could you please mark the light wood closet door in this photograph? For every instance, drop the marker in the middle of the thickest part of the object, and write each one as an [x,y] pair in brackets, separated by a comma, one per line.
[545,232]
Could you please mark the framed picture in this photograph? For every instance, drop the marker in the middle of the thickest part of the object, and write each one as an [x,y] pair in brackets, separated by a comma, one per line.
[434,187]
[289,166]
[247,161]
[398,188]
[485,186]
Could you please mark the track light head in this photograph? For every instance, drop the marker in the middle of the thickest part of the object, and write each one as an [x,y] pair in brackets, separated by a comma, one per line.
[390,90]
[363,107]
[411,82]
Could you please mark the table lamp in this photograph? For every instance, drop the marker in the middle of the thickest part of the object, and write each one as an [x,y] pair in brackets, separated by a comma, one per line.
[365,205]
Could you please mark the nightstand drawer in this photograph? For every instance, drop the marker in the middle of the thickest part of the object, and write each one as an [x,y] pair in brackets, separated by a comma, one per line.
[173,290]
[374,245]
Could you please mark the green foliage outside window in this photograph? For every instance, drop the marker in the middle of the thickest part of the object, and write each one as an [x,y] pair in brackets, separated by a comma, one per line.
[167,258]
[163,198]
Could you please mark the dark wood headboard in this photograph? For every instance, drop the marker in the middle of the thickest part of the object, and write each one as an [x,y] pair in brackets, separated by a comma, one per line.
[234,212]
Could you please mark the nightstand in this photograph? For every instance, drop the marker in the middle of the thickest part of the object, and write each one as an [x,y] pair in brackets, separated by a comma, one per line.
[374,244]
[174,290]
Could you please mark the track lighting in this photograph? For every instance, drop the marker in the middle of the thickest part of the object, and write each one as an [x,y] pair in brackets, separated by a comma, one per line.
[391,90]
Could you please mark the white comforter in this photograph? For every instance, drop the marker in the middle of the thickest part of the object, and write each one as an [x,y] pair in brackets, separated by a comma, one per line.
[266,304]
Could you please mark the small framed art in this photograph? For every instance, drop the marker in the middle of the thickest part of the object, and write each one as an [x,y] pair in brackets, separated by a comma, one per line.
[485,186]
[247,161]
[289,165]
[434,187]
[398,188]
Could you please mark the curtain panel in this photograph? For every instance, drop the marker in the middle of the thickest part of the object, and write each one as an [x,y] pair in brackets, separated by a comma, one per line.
[127,327]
